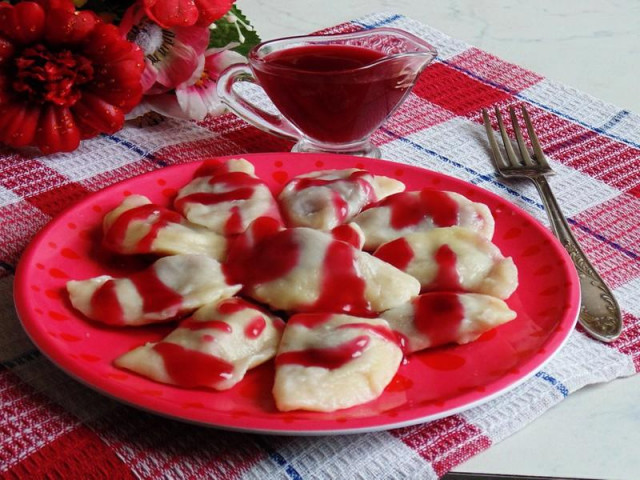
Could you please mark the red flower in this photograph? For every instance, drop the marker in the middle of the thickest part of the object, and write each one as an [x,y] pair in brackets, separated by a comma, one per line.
[184,13]
[64,75]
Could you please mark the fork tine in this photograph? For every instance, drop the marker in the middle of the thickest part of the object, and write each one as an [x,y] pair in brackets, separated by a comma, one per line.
[511,154]
[537,149]
[496,157]
[521,145]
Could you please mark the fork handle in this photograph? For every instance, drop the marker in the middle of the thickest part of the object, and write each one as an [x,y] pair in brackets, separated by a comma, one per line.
[599,310]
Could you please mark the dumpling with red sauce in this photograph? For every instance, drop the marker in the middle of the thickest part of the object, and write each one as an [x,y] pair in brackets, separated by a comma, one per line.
[325,199]
[328,362]
[452,258]
[438,318]
[226,197]
[306,270]
[417,211]
[169,288]
[214,348]
[139,226]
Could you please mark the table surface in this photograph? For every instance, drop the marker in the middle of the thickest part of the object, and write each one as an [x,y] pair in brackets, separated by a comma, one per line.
[595,432]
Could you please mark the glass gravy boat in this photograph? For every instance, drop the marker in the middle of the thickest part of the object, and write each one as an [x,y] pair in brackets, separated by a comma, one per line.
[331,91]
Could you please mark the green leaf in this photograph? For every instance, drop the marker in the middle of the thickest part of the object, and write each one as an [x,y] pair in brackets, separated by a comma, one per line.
[224,32]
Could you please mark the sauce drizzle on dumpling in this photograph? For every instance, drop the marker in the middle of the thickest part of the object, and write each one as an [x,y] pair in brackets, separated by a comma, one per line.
[327,357]
[409,209]
[238,186]
[342,289]
[157,218]
[438,316]
[191,368]
[156,297]
[399,254]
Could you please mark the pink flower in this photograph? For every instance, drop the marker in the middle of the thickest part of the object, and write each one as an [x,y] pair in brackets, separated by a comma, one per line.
[198,96]
[184,13]
[195,98]
[171,54]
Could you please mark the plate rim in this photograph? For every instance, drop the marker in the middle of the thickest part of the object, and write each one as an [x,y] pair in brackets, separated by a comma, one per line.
[20,296]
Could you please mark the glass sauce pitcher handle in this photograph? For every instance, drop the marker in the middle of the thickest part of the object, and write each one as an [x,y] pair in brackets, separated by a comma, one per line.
[268,122]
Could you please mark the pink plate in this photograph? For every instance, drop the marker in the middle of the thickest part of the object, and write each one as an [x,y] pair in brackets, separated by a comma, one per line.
[432,384]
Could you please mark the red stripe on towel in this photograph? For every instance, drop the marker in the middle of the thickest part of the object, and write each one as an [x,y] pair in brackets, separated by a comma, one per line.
[444,443]
[77,454]
[155,447]
[502,74]
[629,341]
[456,91]
[41,186]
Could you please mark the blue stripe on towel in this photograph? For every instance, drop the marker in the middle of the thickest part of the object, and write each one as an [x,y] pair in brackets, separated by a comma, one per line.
[280,460]
[136,149]
[554,382]
[379,23]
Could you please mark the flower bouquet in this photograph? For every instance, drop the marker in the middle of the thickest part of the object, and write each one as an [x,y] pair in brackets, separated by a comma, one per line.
[71,70]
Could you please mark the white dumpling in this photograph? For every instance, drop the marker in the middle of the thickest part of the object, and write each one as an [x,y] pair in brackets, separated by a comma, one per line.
[171,287]
[408,212]
[452,258]
[139,226]
[438,318]
[326,199]
[226,197]
[301,269]
[214,348]
[328,362]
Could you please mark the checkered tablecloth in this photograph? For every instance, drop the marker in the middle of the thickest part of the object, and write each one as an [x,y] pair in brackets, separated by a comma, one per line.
[49,424]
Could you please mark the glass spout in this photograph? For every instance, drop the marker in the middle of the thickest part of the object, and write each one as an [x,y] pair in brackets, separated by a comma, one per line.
[393,43]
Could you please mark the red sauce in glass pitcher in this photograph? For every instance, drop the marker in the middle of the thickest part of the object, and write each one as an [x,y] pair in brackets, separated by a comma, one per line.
[326,93]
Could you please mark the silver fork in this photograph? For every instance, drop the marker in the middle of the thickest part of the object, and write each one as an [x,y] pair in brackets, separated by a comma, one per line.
[599,311]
